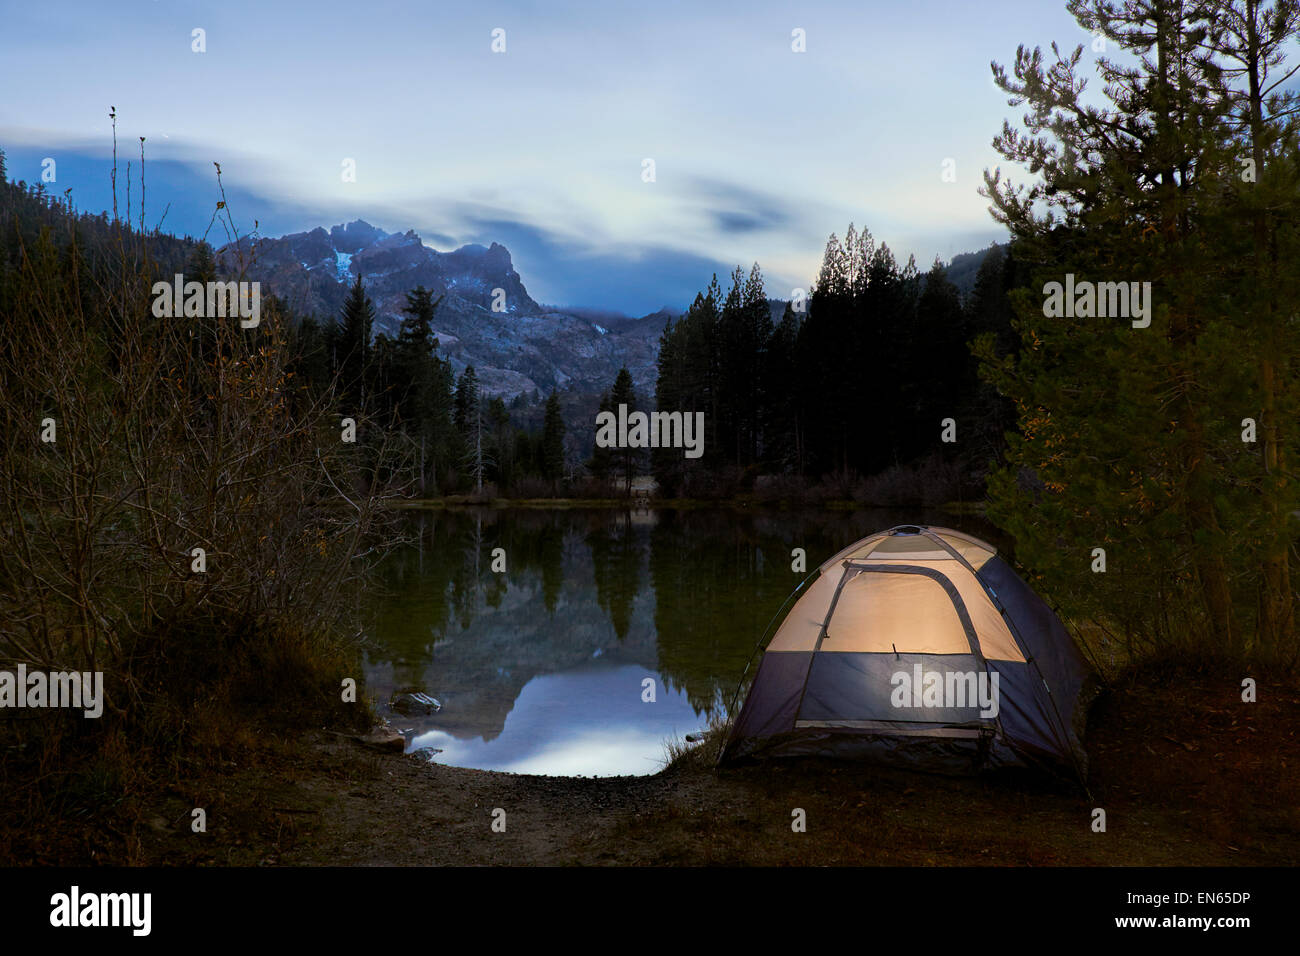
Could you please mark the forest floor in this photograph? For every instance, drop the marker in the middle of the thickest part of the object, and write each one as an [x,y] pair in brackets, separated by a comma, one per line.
[1187,775]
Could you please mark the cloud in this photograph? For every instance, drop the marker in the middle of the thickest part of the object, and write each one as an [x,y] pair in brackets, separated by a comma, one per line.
[735,209]
[576,265]
[560,269]
[711,226]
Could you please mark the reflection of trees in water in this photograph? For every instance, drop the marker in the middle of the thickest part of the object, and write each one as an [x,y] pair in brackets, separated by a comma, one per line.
[616,551]
[444,580]
[718,577]
[550,619]
[714,576]
[425,587]
[534,545]
[550,558]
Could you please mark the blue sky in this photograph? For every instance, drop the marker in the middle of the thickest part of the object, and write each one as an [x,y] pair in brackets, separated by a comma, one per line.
[759,152]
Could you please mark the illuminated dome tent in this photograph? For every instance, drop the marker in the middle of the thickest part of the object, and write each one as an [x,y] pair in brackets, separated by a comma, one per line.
[922,646]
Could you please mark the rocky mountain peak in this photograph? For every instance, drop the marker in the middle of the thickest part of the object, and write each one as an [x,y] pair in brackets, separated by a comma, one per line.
[521,349]
[354,236]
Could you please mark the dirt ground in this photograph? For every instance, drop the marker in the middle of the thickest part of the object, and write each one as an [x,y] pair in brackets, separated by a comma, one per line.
[1214,782]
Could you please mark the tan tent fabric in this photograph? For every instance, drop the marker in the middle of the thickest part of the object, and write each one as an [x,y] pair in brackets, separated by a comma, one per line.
[926,558]
[907,613]
[798,632]
[975,551]
[996,640]
[927,613]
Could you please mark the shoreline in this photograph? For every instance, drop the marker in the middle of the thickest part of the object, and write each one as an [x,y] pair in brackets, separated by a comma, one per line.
[320,800]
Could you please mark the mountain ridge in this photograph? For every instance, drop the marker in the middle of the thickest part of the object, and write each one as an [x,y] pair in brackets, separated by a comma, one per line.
[486,318]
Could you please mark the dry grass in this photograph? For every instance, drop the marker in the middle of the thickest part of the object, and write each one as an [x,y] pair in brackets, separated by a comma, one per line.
[701,754]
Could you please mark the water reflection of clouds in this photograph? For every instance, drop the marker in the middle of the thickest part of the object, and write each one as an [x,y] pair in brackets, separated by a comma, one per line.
[590,721]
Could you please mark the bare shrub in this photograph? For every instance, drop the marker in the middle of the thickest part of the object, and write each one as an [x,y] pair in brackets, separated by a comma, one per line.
[171,435]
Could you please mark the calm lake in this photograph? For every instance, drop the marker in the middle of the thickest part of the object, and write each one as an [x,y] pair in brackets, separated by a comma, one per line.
[548,667]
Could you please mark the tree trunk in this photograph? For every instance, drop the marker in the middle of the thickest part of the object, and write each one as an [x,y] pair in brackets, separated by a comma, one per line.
[1276,604]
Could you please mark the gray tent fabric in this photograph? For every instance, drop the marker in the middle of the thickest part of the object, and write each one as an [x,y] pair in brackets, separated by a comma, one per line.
[922,647]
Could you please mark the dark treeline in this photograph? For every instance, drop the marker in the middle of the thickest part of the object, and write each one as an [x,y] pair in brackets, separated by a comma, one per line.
[853,382]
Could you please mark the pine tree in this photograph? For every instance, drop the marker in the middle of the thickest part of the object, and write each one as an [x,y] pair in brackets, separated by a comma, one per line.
[469,425]
[601,464]
[1252,81]
[664,464]
[415,335]
[1128,438]
[757,327]
[783,406]
[353,347]
[552,450]
[466,400]
[988,308]
[989,318]
[623,393]
[202,265]
[424,386]
[502,442]
[312,361]
[937,359]
[731,386]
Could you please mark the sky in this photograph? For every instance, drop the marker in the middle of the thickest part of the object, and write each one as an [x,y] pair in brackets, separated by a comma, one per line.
[759,152]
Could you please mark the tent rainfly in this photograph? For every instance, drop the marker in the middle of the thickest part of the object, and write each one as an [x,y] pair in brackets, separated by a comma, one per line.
[920,646]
